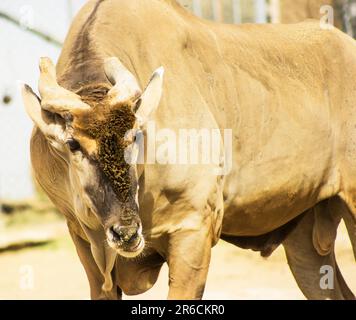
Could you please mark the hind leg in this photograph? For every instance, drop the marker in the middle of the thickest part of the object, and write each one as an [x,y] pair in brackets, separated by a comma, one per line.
[351,229]
[348,212]
[306,262]
[348,190]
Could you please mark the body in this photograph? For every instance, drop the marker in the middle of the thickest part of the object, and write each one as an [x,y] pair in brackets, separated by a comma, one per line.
[278,89]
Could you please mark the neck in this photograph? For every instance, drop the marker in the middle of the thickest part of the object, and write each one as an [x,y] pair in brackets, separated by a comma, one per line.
[87,73]
[80,63]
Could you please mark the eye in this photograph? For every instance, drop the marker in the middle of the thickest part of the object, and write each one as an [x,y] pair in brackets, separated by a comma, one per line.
[138,136]
[73,145]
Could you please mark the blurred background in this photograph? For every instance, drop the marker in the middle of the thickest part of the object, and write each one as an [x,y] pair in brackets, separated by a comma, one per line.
[37,257]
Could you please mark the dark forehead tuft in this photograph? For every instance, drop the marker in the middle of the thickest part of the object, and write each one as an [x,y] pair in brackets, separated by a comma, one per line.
[107,125]
[102,115]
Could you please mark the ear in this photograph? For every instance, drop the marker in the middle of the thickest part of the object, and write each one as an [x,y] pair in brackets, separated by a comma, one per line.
[44,120]
[151,97]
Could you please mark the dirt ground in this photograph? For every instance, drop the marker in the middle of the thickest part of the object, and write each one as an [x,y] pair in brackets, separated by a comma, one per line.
[53,271]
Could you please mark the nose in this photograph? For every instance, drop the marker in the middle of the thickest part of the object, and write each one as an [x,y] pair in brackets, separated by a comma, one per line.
[125,233]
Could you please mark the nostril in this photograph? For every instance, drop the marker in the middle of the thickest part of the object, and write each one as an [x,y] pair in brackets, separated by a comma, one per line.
[115,231]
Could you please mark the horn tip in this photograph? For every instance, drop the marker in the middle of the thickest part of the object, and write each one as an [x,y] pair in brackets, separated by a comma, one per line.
[112,61]
[45,63]
[45,59]
[160,72]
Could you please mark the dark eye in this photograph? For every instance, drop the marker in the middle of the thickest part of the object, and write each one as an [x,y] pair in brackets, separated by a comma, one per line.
[73,145]
[138,136]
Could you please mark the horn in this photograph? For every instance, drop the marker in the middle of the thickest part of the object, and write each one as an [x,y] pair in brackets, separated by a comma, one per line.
[54,97]
[125,87]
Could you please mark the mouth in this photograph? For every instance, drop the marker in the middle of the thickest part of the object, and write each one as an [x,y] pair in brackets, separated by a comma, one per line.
[131,249]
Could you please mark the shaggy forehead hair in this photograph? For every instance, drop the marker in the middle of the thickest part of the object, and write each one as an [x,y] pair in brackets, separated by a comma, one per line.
[107,125]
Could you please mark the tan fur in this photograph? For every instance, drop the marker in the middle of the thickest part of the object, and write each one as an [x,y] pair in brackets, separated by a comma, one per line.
[286,91]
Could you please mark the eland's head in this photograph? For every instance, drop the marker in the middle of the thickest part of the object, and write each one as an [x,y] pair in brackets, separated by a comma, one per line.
[93,131]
